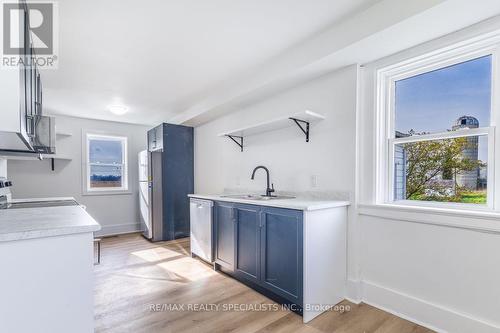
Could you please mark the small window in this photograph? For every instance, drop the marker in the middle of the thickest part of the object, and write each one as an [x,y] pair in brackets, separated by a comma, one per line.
[440,133]
[106,163]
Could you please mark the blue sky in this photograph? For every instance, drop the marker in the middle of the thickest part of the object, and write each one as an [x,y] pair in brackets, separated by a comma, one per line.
[431,102]
[105,151]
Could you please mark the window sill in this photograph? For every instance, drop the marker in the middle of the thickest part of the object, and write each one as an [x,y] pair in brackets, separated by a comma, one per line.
[98,193]
[477,220]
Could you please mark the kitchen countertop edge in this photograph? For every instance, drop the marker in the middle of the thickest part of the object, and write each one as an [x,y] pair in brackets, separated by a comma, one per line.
[34,234]
[71,220]
[296,203]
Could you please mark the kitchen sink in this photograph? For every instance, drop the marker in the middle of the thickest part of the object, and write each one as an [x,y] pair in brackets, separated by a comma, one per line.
[256,197]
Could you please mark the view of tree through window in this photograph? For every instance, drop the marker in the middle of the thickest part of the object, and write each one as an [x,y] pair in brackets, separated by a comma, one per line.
[454,98]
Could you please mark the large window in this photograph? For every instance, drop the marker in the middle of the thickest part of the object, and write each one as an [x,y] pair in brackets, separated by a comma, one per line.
[437,119]
[106,163]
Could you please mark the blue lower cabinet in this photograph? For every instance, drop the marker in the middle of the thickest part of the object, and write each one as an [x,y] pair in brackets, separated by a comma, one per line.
[248,241]
[263,247]
[224,219]
[281,252]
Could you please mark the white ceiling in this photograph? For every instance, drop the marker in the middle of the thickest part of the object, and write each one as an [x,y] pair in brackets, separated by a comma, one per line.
[385,28]
[161,58]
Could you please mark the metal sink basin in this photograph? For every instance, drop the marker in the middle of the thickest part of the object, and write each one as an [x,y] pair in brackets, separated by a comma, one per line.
[256,197]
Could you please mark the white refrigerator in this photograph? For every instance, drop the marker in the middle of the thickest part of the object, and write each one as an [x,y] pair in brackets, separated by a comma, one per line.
[144,188]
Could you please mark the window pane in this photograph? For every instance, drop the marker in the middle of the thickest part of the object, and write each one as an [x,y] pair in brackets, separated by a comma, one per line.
[445,99]
[105,176]
[448,170]
[105,151]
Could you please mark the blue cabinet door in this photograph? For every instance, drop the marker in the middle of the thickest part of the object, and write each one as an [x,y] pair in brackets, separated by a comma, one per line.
[248,241]
[225,234]
[281,252]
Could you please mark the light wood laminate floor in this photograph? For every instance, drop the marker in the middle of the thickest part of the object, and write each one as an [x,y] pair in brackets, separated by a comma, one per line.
[142,287]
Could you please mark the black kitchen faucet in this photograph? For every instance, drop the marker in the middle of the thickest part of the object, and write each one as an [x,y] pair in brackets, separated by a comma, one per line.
[269,190]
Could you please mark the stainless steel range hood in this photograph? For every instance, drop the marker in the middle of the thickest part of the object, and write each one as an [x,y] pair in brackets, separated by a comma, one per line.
[41,141]
[44,139]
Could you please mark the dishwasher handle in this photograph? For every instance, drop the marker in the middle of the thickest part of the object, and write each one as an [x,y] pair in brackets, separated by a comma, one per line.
[200,203]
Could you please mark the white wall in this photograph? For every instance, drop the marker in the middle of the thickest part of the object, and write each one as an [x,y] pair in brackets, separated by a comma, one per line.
[116,213]
[329,155]
[445,277]
[3,168]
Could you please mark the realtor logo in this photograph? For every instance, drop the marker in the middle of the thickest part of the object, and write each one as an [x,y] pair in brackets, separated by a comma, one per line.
[30,23]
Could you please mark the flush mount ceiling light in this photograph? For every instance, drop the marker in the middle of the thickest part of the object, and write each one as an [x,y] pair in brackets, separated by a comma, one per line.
[118,109]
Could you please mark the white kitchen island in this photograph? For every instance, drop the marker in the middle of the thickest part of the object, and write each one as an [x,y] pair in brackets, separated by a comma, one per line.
[46,276]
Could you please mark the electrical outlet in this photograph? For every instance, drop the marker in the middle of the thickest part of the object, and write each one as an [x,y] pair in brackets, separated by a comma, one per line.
[314,181]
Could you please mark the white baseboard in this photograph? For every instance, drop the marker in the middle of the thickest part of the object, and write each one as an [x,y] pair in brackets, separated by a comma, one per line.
[432,316]
[118,229]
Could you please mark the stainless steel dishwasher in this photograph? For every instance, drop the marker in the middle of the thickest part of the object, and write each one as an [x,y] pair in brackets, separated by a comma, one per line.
[201,216]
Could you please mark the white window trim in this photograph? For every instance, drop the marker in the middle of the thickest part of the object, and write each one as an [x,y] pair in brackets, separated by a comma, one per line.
[385,82]
[471,219]
[86,189]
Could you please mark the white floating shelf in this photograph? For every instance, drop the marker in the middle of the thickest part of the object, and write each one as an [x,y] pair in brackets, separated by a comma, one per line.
[57,157]
[275,124]
[34,157]
[302,119]
[63,134]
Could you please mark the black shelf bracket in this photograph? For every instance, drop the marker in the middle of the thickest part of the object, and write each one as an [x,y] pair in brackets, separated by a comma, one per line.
[237,139]
[299,123]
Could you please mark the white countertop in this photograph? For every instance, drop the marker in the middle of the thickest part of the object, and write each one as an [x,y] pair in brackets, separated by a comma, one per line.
[43,199]
[306,204]
[28,223]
